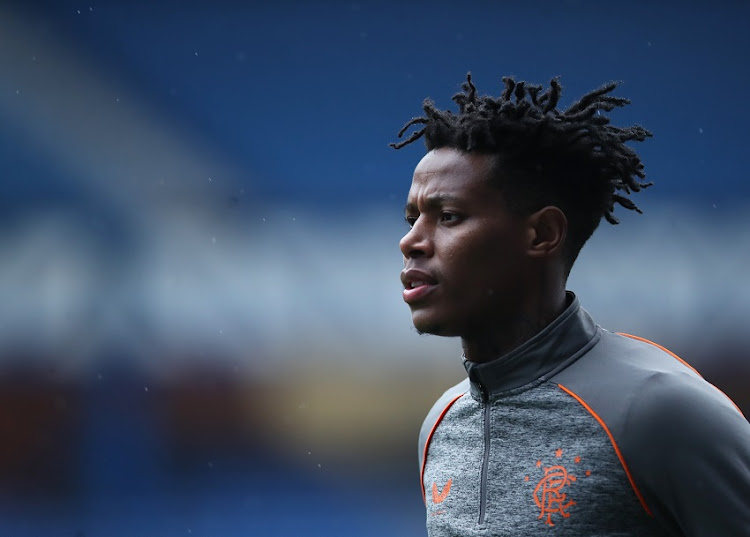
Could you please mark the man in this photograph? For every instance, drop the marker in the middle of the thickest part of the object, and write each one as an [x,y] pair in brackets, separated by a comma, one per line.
[561,428]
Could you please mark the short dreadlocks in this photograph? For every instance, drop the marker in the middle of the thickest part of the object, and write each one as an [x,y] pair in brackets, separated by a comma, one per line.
[572,159]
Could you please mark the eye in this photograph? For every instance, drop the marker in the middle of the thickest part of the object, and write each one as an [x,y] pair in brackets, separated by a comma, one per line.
[410,220]
[449,218]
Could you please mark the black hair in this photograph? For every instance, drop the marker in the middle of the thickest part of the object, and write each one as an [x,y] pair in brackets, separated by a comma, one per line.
[572,159]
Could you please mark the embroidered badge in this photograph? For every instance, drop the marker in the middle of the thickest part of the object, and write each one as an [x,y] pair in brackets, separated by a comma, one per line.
[550,495]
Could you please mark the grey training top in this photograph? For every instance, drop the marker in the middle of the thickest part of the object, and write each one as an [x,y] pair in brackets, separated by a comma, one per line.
[582,432]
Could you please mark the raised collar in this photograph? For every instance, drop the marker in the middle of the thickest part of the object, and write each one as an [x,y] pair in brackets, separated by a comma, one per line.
[559,343]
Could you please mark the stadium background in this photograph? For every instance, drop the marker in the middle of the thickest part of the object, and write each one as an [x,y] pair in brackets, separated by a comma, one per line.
[201,329]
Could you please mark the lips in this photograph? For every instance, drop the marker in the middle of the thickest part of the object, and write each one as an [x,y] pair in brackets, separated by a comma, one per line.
[417,285]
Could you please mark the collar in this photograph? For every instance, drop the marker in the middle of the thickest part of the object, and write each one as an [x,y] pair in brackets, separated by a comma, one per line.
[559,343]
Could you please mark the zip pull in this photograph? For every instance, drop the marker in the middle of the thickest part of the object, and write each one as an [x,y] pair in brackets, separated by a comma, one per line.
[482,392]
[483,395]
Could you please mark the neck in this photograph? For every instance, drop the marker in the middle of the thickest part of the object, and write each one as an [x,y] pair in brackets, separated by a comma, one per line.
[492,342]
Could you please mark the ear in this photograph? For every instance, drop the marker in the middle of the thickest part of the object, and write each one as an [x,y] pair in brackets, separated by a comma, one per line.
[547,229]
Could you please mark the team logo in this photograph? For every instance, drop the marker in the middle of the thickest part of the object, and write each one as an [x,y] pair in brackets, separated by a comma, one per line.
[551,495]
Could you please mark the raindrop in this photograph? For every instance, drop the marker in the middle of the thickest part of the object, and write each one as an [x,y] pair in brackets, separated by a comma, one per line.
[78,11]
[700,130]
[213,240]
[145,388]
[210,464]
[210,180]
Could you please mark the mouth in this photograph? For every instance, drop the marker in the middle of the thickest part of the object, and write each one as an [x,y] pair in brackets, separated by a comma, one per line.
[414,294]
[417,285]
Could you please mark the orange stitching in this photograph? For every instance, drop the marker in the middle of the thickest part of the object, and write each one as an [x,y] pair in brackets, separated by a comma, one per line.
[427,443]
[683,362]
[614,445]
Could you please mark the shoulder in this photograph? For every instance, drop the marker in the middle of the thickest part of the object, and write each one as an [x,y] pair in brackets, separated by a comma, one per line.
[688,446]
[676,418]
[685,442]
[676,414]
[619,364]
[436,413]
[639,386]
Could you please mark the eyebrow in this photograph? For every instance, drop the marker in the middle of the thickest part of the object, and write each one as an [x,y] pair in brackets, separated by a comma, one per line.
[434,201]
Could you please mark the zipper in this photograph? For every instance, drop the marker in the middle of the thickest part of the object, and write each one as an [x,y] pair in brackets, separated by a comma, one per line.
[485,458]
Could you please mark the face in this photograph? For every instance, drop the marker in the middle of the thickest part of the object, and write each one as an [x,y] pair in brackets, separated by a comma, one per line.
[464,262]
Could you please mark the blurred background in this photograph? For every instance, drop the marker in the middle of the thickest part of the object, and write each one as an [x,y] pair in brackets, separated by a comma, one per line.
[201,327]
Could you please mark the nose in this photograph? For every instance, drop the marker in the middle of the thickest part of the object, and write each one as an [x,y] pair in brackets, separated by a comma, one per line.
[417,242]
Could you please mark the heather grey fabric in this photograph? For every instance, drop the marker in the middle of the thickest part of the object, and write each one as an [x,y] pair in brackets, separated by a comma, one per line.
[518,453]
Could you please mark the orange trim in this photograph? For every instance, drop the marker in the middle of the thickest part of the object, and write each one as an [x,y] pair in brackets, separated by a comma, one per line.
[673,355]
[427,442]
[682,362]
[614,445]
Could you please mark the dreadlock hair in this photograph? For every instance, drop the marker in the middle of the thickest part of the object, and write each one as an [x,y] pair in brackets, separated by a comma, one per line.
[572,159]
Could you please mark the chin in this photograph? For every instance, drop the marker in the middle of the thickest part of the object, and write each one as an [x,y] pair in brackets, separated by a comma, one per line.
[436,327]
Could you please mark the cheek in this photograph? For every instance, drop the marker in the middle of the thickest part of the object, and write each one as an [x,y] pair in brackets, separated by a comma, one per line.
[491,265]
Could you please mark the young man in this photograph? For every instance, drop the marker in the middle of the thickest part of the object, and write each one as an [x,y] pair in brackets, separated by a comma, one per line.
[561,428]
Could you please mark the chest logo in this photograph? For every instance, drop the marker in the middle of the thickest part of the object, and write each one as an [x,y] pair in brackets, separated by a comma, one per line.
[549,494]
[440,496]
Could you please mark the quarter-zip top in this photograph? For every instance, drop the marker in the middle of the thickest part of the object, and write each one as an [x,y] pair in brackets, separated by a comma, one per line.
[580,431]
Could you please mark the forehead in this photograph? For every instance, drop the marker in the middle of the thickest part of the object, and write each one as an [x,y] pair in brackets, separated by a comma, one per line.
[451,171]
